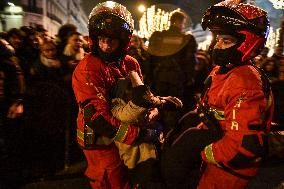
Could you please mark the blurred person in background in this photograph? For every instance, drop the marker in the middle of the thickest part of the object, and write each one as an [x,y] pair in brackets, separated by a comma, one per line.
[271,69]
[137,51]
[47,67]
[42,34]
[172,61]
[15,37]
[12,89]
[86,44]
[31,44]
[202,69]
[4,35]
[258,61]
[264,52]
[72,54]
[62,34]
[73,51]
[26,45]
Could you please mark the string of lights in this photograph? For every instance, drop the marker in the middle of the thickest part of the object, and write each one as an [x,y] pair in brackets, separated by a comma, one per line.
[154,19]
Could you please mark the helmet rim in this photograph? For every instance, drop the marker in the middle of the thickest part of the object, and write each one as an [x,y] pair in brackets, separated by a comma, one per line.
[218,18]
[242,19]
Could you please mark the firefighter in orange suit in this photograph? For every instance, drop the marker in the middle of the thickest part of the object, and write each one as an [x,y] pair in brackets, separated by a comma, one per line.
[110,30]
[239,95]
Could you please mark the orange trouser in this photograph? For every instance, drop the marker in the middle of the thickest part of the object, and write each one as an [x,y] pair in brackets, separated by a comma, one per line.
[105,169]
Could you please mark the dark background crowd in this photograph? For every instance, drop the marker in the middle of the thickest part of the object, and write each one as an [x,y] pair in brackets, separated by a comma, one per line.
[39,138]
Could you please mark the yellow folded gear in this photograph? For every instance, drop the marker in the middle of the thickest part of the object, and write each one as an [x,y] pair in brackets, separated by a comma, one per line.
[126,112]
[135,153]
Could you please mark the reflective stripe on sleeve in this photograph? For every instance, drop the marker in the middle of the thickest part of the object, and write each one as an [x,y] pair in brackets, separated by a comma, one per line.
[219,115]
[209,154]
[121,133]
[269,103]
[80,135]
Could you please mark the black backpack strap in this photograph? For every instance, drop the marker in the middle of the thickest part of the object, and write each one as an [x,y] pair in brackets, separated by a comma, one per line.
[265,81]
[207,85]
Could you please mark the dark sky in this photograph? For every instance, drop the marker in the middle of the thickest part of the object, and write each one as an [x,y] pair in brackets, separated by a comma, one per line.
[194,8]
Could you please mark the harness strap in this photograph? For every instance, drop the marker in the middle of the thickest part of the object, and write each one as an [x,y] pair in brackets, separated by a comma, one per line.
[232,172]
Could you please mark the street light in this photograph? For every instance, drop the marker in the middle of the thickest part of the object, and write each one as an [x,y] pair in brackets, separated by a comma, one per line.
[11,17]
[141,8]
[277,4]
[155,18]
[11,4]
[13,9]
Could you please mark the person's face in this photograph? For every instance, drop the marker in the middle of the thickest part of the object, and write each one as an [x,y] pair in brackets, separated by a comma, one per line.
[107,44]
[182,24]
[15,41]
[48,50]
[134,41]
[8,46]
[258,60]
[76,41]
[33,39]
[225,41]
[43,36]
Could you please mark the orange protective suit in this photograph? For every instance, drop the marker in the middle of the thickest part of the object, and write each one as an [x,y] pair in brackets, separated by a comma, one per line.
[244,109]
[93,81]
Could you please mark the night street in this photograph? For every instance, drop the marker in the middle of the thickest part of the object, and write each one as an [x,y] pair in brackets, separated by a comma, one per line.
[271,176]
[148,94]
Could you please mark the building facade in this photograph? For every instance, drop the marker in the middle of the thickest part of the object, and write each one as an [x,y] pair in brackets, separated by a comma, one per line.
[51,14]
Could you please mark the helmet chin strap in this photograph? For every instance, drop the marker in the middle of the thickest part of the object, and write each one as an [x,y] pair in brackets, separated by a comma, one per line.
[252,51]
[90,43]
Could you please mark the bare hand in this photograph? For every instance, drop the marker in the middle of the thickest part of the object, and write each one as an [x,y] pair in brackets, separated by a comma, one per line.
[162,138]
[15,110]
[151,115]
[171,102]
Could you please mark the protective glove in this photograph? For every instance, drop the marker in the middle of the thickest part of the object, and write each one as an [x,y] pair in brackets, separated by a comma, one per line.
[142,96]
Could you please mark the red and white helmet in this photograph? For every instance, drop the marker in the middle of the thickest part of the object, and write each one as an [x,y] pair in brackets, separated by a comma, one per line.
[247,22]
[113,20]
